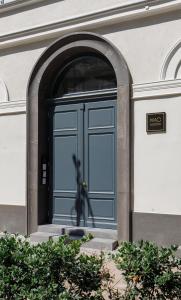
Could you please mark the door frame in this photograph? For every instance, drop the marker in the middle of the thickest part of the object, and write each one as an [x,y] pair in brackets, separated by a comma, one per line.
[43,72]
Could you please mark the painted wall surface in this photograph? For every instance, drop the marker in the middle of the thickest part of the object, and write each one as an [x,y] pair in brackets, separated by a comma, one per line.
[13,159]
[16,65]
[144,44]
[157,159]
[148,40]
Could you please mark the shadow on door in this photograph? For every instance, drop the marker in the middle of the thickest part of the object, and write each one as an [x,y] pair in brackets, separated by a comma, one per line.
[82,199]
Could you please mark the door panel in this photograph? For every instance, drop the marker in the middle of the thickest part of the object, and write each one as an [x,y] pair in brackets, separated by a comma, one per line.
[64,170]
[101,117]
[65,120]
[101,162]
[100,150]
[100,211]
[67,142]
[87,132]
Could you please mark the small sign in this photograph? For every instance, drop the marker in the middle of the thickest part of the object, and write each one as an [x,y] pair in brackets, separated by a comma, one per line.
[156,122]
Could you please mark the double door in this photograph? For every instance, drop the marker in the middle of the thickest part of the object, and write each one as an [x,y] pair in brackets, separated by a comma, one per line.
[83,150]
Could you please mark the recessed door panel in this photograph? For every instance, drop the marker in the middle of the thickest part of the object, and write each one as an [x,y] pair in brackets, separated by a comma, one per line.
[100,162]
[65,120]
[100,117]
[64,171]
[106,212]
[63,207]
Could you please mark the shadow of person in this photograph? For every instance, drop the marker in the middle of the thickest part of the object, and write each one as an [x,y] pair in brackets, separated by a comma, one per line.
[79,201]
[82,199]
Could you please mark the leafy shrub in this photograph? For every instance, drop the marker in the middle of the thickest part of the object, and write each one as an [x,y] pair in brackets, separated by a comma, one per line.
[58,271]
[49,271]
[150,272]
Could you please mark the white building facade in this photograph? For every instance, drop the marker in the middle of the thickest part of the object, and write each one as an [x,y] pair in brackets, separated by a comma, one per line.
[141,41]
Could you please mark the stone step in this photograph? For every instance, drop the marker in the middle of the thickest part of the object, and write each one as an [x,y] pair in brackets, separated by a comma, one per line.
[57,229]
[101,244]
[39,237]
[69,230]
[95,243]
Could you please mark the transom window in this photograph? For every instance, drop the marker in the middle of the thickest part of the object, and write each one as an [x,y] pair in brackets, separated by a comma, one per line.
[82,74]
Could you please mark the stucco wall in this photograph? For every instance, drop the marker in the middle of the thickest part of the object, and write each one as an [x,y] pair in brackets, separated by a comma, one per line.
[13,159]
[16,65]
[157,159]
[144,44]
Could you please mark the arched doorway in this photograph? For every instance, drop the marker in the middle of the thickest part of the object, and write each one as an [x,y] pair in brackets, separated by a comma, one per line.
[49,80]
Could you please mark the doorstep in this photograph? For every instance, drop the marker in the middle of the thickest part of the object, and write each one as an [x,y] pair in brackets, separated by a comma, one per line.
[104,239]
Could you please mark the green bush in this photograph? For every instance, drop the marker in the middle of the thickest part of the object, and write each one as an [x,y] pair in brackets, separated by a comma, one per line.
[151,272]
[59,271]
[48,271]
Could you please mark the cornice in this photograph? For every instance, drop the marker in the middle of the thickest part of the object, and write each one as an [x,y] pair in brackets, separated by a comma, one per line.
[145,91]
[16,4]
[155,90]
[112,15]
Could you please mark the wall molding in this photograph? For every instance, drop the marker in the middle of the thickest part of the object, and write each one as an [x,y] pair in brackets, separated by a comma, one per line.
[16,4]
[111,15]
[12,107]
[143,91]
[160,89]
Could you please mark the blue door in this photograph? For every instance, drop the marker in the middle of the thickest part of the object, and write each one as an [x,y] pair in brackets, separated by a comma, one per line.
[84,164]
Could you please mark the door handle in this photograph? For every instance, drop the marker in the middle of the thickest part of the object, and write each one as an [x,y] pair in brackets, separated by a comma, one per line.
[84,184]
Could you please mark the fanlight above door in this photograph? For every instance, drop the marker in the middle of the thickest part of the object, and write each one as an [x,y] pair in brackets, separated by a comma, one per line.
[83,74]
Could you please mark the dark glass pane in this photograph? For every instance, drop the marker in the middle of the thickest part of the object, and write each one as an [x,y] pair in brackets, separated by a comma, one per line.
[85,73]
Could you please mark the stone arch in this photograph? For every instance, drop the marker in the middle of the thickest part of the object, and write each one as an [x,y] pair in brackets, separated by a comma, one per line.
[44,70]
[172,65]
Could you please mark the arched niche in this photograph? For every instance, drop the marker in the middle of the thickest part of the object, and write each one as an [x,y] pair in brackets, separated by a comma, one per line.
[4,95]
[171,69]
[44,72]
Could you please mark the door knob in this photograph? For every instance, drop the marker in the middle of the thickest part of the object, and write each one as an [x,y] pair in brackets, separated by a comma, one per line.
[84,184]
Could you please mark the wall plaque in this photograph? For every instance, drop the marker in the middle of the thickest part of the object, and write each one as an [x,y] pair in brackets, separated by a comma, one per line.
[156,122]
